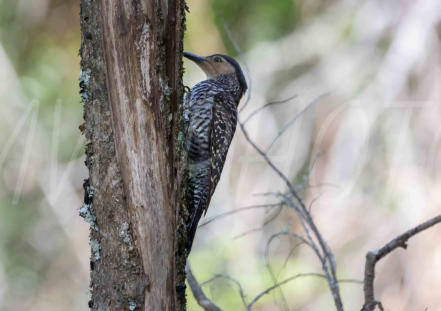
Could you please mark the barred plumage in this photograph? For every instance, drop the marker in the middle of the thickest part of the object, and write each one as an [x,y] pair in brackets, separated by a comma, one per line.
[211,108]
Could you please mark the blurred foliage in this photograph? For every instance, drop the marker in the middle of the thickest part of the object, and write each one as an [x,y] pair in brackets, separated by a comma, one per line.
[252,21]
[41,39]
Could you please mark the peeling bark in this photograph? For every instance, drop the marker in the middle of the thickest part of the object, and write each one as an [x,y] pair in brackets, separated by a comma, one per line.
[131,86]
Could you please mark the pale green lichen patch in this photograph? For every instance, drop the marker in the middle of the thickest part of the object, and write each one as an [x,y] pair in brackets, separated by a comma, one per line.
[85,212]
[125,235]
[181,137]
[167,90]
[84,83]
[96,248]
[128,264]
[132,305]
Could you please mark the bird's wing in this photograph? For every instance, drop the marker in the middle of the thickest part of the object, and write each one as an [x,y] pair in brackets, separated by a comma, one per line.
[223,126]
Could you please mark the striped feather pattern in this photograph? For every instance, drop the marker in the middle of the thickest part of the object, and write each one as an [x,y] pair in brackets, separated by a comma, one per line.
[211,107]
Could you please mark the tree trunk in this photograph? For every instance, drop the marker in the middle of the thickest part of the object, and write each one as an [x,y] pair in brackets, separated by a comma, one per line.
[131,86]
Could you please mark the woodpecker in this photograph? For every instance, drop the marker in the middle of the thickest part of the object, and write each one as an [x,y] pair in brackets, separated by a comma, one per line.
[210,111]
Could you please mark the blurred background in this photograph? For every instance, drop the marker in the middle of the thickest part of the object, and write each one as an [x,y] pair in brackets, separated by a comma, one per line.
[365,152]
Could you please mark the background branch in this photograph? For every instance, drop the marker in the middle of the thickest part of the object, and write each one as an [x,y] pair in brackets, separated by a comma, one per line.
[240,209]
[255,112]
[231,279]
[373,257]
[319,245]
[198,293]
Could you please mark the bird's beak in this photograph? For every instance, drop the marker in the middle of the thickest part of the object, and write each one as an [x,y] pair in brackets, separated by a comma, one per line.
[196,58]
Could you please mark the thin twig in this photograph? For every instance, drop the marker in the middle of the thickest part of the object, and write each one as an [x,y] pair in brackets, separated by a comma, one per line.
[267,194]
[322,185]
[313,201]
[285,263]
[373,257]
[270,269]
[293,120]
[240,209]
[239,51]
[255,112]
[269,289]
[198,293]
[320,275]
[266,222]
[296,236]
[291,235]
[245,233]
[231,279]
[328,261]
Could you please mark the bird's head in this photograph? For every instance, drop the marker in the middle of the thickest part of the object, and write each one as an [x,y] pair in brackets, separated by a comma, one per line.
[219,65]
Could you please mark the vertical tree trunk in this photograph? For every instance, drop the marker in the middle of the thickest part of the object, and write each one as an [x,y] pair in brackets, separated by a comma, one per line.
[131,86]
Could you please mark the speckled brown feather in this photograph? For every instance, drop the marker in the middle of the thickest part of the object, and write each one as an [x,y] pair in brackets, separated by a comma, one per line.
[211,110]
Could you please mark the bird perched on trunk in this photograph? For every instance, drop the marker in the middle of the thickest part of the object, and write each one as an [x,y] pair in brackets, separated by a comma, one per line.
[210,109]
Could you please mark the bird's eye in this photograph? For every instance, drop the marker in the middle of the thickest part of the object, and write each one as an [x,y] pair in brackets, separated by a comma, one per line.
[217,59]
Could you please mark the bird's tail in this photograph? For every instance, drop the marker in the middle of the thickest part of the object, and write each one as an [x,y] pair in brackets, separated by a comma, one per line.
[198,197]
[192,230]
[199,205]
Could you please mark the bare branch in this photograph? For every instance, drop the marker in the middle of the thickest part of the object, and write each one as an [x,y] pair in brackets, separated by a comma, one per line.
[327,260]
[285,263]
[266,222]
[241,209]
[255,112]
[293,120]
[301,240]
[241,235]
[231,279]
[313,201]
[268,194]
[239,51]
[291,235]
[268,263]
[198,293]
[269,289]
[373,257]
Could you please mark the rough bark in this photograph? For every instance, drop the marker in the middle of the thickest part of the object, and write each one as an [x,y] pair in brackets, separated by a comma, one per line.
[131,86]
